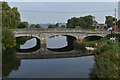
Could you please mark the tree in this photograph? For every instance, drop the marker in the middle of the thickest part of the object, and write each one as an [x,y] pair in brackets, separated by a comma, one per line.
[109,21]
[84,22]
[23,25]
[10,16]
[72,22]
[50,26]
[32,26]
[8,39]
[37,26]
[53,25]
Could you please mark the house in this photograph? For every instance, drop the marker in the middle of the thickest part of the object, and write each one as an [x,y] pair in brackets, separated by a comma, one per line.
[116,26]
[100,25]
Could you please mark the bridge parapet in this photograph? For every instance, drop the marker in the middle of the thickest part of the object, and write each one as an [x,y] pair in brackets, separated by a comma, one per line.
[29,30]
[45,33]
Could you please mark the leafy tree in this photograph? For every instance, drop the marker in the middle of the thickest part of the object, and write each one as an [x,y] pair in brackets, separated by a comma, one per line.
[32,26]
[51,26]
[83,22]
[109,21]
[72,22]
[8,39]
[23,25]
[37,26]
[10,16]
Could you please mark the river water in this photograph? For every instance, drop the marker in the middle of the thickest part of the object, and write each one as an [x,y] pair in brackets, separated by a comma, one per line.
[70,67]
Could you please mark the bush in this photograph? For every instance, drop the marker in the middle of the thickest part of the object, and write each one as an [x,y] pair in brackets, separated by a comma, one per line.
[102,49]
[113,35]
[23,25]
[8,39]
[79,46]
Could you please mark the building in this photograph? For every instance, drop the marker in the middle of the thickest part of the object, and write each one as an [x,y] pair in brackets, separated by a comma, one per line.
[100,25]
[116,27]
[119,10]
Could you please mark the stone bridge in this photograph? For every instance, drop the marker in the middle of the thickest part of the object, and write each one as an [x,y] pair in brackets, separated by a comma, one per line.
[46,33]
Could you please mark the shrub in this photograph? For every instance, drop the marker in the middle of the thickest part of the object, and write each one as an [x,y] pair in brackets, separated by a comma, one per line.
[8,39]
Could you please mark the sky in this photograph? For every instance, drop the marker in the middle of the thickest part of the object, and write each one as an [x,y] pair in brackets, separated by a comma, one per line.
[61,0]
[60,12]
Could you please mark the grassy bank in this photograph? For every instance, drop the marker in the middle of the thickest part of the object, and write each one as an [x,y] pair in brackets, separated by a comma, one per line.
[107,59]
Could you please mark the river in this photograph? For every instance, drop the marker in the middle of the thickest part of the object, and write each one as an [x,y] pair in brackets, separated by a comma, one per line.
[61,67]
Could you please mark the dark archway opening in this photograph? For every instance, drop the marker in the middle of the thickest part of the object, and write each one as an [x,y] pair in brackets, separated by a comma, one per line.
[92,38]
[22,40]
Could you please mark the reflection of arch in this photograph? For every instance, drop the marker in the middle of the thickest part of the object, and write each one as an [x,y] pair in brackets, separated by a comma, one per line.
[92,38]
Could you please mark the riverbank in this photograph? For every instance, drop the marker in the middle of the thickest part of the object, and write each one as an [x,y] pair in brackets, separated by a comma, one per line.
[107,59]
[107,56]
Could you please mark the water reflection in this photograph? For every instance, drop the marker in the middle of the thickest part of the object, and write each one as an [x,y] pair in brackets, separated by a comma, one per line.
[79,67]
[76,67]
[9,62]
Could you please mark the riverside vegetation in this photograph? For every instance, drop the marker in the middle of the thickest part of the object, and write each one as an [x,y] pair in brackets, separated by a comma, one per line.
[10,21]
[107,58]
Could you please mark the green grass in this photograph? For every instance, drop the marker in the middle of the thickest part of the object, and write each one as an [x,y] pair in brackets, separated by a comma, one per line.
[107,61]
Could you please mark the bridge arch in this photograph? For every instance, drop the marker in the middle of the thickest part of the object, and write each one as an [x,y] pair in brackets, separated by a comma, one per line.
[21,41]
[92,38]
[70,35]
[21,35]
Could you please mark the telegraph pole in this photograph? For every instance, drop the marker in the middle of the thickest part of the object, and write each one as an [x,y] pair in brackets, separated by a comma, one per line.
[115,12]
[115,18]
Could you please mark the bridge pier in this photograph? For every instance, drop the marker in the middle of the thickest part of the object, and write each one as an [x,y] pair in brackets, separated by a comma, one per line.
[43,41]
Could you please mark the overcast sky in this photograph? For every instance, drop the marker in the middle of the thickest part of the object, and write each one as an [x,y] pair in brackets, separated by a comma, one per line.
[48,12]
[61,0]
